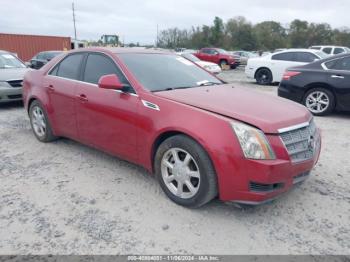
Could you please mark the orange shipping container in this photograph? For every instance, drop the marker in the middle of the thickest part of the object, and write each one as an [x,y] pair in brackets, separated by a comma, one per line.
[26,46]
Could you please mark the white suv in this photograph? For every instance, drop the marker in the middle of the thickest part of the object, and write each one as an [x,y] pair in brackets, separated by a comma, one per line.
[331,50]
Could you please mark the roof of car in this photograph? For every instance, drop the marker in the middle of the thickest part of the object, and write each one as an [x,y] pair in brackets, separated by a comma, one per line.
[297,50]
[125,50]
[327,46]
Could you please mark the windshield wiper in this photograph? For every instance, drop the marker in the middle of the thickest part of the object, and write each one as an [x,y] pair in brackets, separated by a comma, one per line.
[172,88]
[207,83]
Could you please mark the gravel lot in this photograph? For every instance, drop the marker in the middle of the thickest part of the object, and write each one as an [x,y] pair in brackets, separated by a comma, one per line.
[66,198]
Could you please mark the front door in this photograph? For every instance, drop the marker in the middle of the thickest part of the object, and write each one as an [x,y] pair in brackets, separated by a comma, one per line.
[106,118]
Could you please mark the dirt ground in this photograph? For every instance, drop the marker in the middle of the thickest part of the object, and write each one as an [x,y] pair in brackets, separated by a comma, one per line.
[66,198]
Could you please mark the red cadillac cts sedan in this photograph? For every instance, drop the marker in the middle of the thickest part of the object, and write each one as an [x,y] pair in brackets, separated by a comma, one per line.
[201,137]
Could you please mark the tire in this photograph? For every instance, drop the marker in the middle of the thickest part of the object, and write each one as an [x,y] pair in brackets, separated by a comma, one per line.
[223,64]
[202,178]
[40,123]
[263,76]
[319,101]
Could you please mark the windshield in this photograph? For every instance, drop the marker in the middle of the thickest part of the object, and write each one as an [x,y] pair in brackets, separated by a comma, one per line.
[51,55]
[10,61]
[222,51]
[160,72]
[191,57]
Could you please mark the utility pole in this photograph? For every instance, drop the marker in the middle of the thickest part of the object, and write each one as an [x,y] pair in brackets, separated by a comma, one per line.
[157,37]
[75,29]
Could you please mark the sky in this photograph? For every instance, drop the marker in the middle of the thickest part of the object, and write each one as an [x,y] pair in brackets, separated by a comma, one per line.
[136,20]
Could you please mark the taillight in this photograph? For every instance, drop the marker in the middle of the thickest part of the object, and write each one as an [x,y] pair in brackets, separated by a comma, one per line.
[289,74]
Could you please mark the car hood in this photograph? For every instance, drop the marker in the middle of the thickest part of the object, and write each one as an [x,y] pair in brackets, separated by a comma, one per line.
[12,73]
[267,112]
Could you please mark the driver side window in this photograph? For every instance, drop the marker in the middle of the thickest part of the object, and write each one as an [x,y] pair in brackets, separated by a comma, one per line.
[98,65]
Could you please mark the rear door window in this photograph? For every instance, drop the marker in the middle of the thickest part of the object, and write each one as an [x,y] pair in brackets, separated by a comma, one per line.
[338,50]
[343,64]
[327,50]
[305,57]
[339,64]
[69,67]
[289,56]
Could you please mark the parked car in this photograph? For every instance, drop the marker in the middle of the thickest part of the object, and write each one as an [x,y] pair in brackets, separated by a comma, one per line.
[12,71]
[202,138]
[217,56]
[244,56]
[331,50]
[270,68]
[42,58]
[211,67]
[321,86]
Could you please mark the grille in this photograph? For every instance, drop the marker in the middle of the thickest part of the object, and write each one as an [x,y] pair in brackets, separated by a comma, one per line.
[257,187]
[15,83]
[14,96]
[301,143]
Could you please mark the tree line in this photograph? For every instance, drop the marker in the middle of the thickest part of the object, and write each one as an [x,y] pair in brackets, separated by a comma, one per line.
[240,34]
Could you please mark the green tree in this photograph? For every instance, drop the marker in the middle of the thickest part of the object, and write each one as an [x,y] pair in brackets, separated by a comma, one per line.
[240,34]
[270,35]
[298,34]
[217,32]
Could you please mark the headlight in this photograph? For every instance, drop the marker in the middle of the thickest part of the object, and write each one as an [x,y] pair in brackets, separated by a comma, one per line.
[253,142]
[207,67]
[4,84]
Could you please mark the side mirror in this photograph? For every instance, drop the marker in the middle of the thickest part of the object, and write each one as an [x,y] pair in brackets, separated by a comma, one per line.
[110,82]
[28,64]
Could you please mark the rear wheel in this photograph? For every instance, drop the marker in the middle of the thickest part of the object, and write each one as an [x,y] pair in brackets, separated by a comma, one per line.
[319,101]
[263,76]
[39,122]
[185,172]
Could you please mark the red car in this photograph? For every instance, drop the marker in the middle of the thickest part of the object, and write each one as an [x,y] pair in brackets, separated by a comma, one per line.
[200,137]
[217,56]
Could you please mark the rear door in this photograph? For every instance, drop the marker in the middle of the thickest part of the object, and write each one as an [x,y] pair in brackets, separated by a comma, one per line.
[339,78]
[280,62]
[60,85]
[106,118]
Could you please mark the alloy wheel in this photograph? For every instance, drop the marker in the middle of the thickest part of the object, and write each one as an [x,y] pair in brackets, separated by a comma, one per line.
[317,102]
[180,173]
[263,77]
[38,121]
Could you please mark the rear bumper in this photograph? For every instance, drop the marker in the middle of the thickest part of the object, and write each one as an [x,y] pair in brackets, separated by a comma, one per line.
[10,94]
[291,92]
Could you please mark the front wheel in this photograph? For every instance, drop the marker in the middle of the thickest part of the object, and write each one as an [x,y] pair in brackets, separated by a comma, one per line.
[263,76]
[185,172]
[319,101]
[223,64]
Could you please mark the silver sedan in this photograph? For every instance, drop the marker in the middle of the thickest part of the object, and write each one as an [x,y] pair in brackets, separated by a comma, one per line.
[12,71]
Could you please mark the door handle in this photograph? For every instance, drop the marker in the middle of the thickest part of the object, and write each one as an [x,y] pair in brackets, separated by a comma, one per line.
[51,88]
[337,76]
[82,98]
